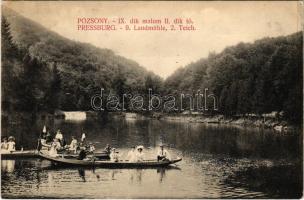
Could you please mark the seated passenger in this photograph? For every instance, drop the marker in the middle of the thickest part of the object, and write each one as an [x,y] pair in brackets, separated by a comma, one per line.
[92,147]
[139,155]
[114,155]
[59,135]
[82,154]
[55,146]
[131,157]
[4,145]
[11,144]
[48,137]
[44,145]
[73,145]
[163,154]
[107,149]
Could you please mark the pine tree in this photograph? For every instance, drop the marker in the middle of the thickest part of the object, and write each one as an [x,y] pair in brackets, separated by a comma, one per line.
[9,57]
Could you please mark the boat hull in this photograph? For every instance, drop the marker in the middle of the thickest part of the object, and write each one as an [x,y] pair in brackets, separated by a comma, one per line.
[108,164]
[35,154]
[20,154]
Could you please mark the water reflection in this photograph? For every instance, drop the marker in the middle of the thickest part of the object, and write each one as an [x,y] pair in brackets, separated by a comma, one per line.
[7,166]
[162,174]
[218,161]
[135,175]
[81,173]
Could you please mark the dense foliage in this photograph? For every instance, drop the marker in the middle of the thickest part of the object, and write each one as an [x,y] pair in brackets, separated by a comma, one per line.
[55,72]
[43,71]
[253,78]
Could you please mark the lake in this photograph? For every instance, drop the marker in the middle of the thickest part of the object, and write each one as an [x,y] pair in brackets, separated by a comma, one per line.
[219,161]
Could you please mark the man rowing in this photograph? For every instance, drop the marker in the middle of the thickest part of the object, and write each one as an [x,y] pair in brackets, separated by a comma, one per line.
[163,154]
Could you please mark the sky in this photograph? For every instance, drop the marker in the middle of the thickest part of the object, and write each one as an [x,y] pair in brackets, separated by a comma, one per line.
[218,25]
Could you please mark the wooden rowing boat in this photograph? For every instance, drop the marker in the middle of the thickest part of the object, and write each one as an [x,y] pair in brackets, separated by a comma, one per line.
[66,161]
[35,154]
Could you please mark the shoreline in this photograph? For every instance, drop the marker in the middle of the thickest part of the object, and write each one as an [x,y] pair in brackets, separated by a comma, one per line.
[246,121]
[278,125]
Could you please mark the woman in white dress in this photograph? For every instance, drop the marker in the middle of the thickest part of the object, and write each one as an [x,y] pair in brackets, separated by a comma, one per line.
[131,157]
[114,155]
[4,145]
[73,145]
[11,144]
[54,147]
[139,155]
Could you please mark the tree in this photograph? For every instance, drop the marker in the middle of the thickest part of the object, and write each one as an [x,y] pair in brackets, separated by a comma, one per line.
[31,92]
[9,58]
[53,95]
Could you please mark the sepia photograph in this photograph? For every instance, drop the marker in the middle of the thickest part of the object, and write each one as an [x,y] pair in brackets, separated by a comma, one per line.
[151,99]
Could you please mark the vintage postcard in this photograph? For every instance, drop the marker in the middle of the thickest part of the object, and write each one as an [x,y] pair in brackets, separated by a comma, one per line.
[151,99]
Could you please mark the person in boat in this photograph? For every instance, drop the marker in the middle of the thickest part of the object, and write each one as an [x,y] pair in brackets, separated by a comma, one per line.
[114,156]
[63,142]
[73,146]
[4,145]
[83,137]
[91,147]
[139,155]
[82,154]
[48,137]
[11,144]
[42,135]
[163,154]
[55,146]
[59,135]
[131,157]
[107,149]
[42,144]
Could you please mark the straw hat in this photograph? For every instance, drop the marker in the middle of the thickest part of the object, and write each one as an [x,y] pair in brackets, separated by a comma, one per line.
[11,138]
[140,147]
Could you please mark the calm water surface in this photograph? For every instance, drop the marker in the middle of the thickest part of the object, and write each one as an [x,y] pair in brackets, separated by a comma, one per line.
[218,162]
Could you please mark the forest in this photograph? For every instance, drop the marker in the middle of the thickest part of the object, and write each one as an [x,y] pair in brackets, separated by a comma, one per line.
[256,78]
[43,71]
